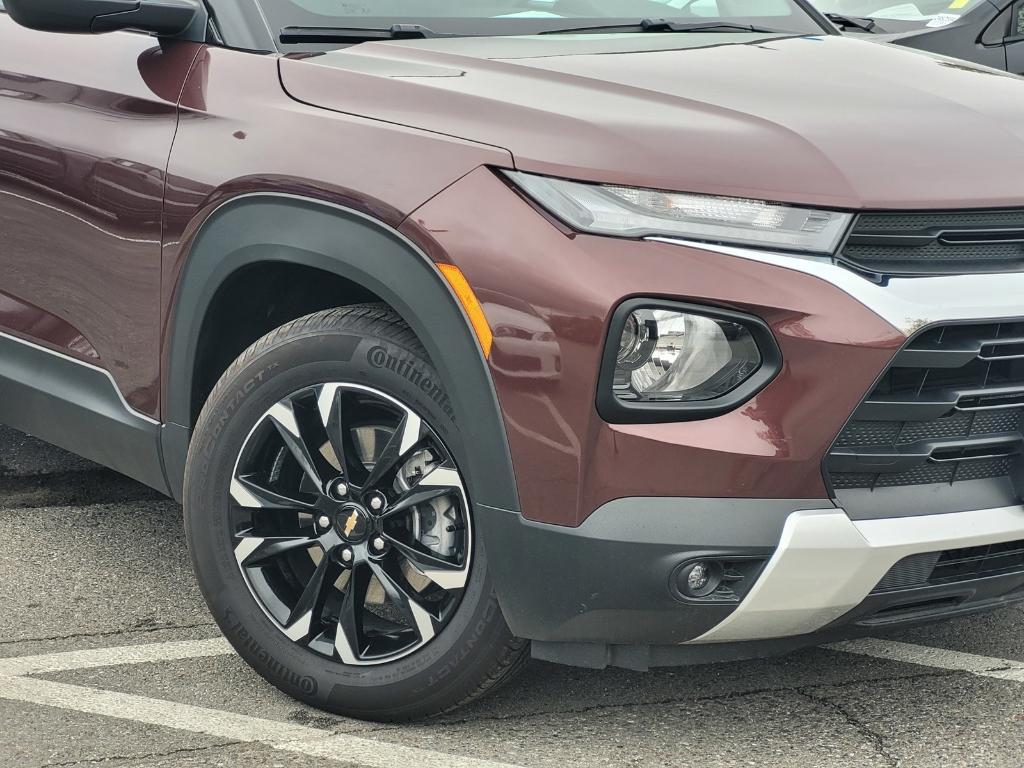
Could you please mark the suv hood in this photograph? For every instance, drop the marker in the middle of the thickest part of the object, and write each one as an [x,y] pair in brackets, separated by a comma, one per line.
[828,120]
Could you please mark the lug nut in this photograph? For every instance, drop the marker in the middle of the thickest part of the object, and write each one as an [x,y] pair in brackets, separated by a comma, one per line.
[323,521]
[346,555]
[377,502]
[338,489]
[378,543]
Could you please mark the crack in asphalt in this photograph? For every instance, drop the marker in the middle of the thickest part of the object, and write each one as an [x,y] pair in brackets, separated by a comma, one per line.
[872,737]
[109,633]
[146,756]
[800,690]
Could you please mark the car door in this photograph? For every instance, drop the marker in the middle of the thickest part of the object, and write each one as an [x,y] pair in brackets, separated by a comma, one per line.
[86,126]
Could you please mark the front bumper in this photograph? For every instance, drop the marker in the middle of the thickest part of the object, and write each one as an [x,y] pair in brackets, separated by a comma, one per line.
[827,564]
[549,297]
[609,511]
[601,593]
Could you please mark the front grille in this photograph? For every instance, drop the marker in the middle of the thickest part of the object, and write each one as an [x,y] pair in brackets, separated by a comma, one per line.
[936,243]
[948,411]
[954,566]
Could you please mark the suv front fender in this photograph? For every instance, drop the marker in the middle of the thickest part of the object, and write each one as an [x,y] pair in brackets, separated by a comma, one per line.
[275,227]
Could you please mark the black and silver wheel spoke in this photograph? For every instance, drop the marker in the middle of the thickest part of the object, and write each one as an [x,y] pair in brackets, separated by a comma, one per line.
[352,523]
[403,441]
[414,497]
[300,435]
[403,597]
[350,640]
[249,493]
[445,574]
[307,614]
[331,404]
[252,550]
[443,480]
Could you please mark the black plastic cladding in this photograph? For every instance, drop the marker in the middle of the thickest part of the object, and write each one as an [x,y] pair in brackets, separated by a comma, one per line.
[617,411]
[284,228]
[78,407]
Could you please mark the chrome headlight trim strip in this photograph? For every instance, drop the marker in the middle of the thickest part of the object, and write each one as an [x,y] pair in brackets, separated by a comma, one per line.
[907,303]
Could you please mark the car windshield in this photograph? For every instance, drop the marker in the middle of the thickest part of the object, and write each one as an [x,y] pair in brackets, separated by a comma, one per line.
[923,13]
[524,17]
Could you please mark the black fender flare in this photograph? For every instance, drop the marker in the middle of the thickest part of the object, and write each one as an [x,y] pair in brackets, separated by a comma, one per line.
[278,227]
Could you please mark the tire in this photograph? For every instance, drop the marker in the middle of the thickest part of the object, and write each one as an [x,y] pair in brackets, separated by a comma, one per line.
[363,367]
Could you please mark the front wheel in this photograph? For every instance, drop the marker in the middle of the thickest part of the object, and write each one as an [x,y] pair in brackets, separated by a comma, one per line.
[331,529]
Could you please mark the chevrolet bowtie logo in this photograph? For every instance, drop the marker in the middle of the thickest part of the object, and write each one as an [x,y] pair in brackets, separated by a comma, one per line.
[350,523]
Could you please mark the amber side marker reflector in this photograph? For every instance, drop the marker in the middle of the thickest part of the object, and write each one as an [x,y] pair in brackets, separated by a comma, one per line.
[470,303]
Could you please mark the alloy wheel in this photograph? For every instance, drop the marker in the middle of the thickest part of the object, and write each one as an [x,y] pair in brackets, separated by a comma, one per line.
[351,523]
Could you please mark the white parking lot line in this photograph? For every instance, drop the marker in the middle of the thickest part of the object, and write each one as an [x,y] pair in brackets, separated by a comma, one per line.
[183,717]
[112,657]
[939,658]
[354,750]
[365,752]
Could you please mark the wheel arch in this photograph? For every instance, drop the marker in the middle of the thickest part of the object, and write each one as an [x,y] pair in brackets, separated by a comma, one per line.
[265,228]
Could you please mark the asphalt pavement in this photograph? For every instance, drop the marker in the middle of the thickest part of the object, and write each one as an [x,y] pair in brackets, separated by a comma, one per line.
[109,657]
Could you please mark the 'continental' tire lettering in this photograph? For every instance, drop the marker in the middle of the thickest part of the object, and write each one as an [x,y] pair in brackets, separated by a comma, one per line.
[304,683]
[379,357]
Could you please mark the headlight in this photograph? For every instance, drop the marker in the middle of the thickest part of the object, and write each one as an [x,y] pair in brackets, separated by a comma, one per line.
[667,361]
[636,212]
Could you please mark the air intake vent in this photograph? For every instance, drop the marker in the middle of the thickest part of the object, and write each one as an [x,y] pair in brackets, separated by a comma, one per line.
[949,412]
[936,243]
[954,566]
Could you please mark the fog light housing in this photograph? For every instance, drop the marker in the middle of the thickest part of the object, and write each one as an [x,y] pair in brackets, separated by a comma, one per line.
[670,361]
[711,577]
[682,356]
[700,578]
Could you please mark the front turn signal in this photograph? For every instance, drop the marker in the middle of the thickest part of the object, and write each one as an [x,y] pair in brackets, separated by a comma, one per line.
[471,304]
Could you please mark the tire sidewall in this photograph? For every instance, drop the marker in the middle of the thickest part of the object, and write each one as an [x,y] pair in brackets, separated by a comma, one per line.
[279,370]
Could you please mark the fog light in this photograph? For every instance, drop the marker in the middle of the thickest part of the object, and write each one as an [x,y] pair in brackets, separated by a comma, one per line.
[700,578]
[666,355]
[671,361]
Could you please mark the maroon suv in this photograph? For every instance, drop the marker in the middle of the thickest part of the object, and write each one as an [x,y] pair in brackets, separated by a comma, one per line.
[636,332]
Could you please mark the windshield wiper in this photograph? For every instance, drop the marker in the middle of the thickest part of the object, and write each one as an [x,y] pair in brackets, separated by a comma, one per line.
[843,21]
[661,25]
[358,34]
[291,35]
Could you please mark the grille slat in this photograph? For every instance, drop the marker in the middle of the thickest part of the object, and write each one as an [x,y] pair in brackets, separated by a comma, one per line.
[936,243]
[954,566]
[939,424]
[903,458]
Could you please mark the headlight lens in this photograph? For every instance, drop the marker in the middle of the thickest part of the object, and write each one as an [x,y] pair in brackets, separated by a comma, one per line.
[665,355]
[637,212]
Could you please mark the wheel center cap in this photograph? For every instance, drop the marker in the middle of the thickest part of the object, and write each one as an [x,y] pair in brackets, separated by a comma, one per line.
[353,523]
